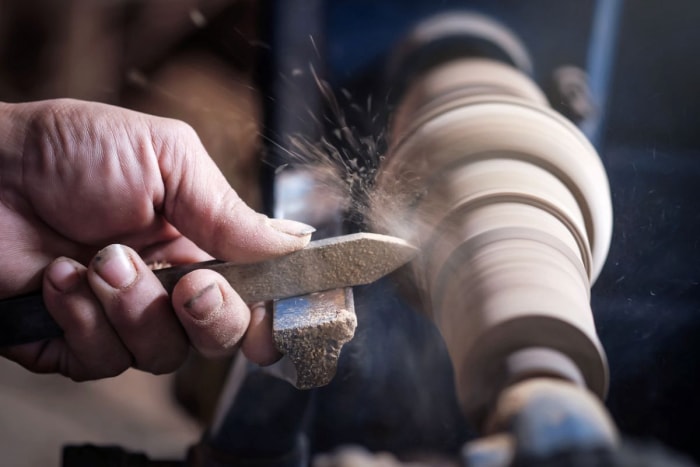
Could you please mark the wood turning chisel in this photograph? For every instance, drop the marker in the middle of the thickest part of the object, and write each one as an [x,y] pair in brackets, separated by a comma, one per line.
[337,262]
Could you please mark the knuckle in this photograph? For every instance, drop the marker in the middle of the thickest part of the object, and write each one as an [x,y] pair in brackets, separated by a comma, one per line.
[173,133]
[182,128]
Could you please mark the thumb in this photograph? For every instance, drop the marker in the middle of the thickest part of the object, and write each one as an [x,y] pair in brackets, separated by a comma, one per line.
[201,204]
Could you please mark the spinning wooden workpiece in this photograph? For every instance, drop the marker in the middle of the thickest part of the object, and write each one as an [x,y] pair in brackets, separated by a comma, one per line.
[510,207]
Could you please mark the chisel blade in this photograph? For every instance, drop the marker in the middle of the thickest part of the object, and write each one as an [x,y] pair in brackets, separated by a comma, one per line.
[331,263]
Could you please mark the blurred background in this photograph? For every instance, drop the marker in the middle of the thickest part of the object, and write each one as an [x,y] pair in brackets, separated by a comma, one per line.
[207,62]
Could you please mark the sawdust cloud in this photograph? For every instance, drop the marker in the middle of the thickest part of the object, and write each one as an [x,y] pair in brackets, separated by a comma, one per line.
[349,164]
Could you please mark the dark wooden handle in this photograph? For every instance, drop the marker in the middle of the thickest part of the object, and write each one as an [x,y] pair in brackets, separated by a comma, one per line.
[25,319]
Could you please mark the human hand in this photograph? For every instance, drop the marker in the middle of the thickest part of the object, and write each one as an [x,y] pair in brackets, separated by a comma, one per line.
[76,176]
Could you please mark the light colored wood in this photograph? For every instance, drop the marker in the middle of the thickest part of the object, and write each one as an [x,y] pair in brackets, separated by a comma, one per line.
[510,207]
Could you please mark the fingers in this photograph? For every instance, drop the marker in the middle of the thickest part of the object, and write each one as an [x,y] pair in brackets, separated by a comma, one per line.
[217,320]
[209,314]
[116,314]
[93,348]
[138,309]
[258,343]
[201,204]
[213,315]
[89,348]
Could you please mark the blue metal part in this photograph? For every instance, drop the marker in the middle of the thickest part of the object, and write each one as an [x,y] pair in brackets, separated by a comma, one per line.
[550,424]
[602,50]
